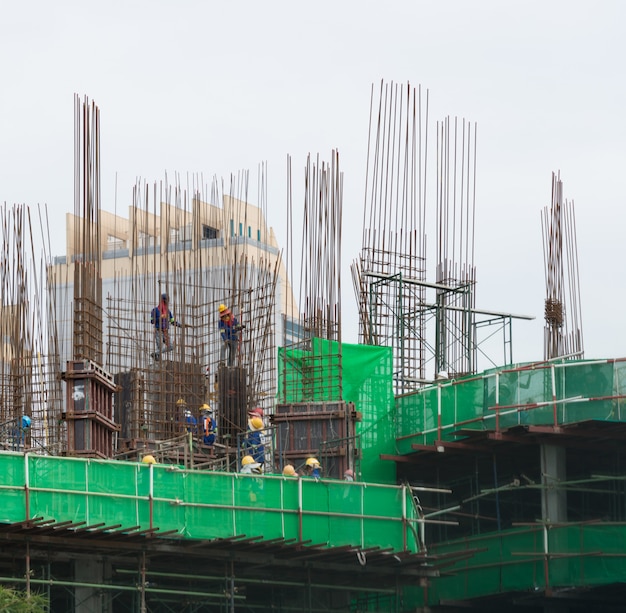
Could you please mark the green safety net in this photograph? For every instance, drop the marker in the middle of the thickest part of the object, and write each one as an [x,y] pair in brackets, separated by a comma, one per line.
[204,505]
[366,380]
[555,393]
[515,560]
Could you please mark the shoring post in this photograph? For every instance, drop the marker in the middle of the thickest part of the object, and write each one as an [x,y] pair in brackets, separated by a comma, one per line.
[28,568]
[309,593]
[232,587]
[142,588]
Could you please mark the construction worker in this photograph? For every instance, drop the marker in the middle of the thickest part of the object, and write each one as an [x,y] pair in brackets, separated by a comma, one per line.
[20,432]
[229,328]
[185,416]
[249,466]
[253,442]
[313,468]
[289,471]
[191,422]
[348,475]
[161,318]
[208,425]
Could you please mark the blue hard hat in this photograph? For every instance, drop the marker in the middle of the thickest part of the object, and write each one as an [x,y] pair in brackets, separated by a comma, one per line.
[164,297]
[25,421]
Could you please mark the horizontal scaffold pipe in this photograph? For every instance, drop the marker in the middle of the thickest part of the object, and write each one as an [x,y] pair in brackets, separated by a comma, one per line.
[117,587]
[330,586]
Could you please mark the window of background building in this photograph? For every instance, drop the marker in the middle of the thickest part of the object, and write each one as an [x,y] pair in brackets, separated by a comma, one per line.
[209,232]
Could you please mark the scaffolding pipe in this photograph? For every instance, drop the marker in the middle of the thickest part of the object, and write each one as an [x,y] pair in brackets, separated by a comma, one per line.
[107,586]
[329,586]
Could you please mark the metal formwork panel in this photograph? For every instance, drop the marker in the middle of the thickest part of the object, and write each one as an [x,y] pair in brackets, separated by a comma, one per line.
[323,430]
[89,410]
[232,390]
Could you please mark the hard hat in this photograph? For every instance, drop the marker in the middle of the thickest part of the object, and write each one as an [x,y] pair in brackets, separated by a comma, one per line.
[26,421]
[223,308]
[148,459]
[187,413]
[247,459]
[289,471]
[312,462]
[205,407]
[258,411]
[181,401]
[164,297]
[256,423]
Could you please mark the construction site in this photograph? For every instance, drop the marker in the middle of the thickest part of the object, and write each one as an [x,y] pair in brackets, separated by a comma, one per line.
[469,488]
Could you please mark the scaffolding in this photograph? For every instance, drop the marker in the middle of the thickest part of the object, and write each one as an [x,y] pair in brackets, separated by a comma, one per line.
[148,526]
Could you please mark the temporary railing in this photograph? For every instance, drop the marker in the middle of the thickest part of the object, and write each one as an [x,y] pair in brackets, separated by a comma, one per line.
[546,393]
[205,505]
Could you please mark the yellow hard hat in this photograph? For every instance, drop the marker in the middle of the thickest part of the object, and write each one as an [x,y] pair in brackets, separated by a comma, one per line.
[148,459]
[256,423]
[181,401]
[223,308]
[247,459]
[312,462]
[289,471]
[205,407]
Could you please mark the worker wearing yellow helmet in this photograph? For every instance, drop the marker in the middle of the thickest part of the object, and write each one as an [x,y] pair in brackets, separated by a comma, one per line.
[289,471]
[249,466]
[229,328]
[253,443]
[208,425]
[313,468]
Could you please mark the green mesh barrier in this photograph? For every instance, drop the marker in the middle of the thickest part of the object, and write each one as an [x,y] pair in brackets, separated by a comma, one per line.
[558,393]
[366,381]
[514,560]
[205,505]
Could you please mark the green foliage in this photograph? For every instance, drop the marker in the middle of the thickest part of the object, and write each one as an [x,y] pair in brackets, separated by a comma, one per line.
[16,601]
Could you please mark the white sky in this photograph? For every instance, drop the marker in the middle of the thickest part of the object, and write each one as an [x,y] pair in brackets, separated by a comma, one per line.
[216,87]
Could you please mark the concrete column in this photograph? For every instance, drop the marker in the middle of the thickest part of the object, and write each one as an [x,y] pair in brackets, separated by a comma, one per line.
[553,503]
[553,472]
[92,599]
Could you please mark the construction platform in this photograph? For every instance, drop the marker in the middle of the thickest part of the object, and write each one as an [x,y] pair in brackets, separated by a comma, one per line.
[148,535]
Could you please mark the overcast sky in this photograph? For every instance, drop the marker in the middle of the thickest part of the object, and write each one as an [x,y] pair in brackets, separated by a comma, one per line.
[218,87]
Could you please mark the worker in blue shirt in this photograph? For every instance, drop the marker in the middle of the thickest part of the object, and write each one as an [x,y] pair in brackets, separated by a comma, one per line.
[253,442]
[208,425]
[161,318]
[229,328]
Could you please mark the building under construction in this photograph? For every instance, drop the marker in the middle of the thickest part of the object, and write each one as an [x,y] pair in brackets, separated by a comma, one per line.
[473,489]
